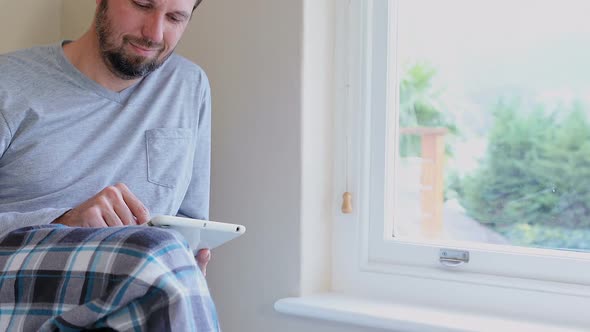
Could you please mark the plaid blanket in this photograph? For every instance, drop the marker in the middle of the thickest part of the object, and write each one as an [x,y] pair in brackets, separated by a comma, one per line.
[57,278]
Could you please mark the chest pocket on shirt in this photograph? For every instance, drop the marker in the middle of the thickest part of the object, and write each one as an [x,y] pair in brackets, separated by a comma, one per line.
[168,155]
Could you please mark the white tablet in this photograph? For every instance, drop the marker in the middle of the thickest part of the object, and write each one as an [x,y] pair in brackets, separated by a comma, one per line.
[200,234]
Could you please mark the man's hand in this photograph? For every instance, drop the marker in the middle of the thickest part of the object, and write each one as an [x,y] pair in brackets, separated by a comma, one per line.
[203,257]
[113,206]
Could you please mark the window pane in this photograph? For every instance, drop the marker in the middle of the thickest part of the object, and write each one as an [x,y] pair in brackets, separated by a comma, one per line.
[494,122]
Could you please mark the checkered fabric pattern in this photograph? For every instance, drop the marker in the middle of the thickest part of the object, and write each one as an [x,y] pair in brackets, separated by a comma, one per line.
[57,278]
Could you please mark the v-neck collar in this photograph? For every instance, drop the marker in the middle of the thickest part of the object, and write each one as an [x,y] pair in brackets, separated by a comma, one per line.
[87,83]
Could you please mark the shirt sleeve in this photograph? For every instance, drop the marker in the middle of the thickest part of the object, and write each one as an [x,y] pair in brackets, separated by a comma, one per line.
[196,201]
[5,134]
[10,221]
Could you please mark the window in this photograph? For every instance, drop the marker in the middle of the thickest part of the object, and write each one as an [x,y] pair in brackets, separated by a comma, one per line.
[493,122]
[448,150]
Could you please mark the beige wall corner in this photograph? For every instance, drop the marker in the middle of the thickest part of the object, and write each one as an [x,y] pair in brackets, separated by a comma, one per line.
[251,52]
[76,17]
[26,23]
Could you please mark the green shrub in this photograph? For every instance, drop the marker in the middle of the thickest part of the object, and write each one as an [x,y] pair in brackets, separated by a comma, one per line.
[547,236]
[536,170]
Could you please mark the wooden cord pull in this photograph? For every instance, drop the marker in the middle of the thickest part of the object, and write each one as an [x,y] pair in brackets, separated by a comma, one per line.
[347,203]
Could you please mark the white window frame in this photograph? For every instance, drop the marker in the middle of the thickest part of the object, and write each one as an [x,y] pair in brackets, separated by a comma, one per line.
[542,284]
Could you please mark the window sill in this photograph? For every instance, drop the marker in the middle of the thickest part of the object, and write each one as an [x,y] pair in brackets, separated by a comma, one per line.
[403,317]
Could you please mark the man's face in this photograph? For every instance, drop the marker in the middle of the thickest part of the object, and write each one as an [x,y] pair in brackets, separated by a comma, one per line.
[137,36]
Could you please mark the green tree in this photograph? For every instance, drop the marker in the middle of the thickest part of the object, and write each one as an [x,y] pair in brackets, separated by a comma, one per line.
[420,106]
[535,178]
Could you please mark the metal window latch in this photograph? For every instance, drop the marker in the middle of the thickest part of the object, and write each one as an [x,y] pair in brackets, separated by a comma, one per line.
[453,258]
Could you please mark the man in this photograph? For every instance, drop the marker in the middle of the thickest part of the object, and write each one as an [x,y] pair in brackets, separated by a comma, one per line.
[93,133]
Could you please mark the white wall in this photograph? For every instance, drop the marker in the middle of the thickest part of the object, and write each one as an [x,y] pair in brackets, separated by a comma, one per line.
[77,16]
[25,23]
[269,76]
[251,52]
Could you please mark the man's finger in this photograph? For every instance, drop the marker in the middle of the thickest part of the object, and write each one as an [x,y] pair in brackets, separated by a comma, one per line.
[203,258]
[92,217]
[111,218]
[124,213]
[135,205]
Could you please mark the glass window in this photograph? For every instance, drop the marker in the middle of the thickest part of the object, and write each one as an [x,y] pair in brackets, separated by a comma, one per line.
[493,116]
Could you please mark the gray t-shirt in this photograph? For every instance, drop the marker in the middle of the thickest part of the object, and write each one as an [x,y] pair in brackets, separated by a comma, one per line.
[64,137]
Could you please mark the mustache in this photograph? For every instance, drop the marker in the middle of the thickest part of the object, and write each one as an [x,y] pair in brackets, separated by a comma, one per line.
[144,42]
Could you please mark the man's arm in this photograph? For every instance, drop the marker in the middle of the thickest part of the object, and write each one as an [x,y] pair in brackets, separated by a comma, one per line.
[196,201]
[10,221]
[113,206]
[5,133]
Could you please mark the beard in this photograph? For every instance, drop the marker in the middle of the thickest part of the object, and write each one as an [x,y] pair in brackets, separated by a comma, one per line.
[124,65]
